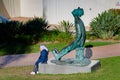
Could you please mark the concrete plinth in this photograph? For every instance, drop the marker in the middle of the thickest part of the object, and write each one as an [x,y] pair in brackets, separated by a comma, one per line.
[65,69]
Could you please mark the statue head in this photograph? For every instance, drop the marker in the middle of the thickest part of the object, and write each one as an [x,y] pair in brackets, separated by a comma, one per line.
[78,12]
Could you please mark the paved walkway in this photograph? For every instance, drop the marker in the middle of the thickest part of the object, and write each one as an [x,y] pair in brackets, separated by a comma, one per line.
[29,59]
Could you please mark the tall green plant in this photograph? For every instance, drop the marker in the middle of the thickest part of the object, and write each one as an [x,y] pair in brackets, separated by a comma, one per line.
[65,26]
[106,25]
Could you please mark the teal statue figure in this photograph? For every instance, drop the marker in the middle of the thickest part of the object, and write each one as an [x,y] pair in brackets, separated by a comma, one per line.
[78,43]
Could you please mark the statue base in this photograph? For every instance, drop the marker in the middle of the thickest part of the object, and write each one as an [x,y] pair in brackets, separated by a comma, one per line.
[68,69]
[72,62]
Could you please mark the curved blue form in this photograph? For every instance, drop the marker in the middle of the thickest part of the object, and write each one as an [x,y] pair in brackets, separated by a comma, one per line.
[78,43]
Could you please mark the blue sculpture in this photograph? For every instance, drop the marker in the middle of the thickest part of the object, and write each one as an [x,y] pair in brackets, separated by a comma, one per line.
[77,44]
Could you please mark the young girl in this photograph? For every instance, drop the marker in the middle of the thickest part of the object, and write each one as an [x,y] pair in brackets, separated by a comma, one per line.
[43,58]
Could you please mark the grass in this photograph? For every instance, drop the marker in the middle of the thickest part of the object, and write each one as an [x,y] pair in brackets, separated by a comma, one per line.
[94,44]
[18,48]
[109,71]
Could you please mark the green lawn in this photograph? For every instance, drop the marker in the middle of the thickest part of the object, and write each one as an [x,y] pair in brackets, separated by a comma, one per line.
[109,71]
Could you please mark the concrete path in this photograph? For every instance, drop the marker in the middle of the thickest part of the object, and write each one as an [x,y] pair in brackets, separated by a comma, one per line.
[29,59]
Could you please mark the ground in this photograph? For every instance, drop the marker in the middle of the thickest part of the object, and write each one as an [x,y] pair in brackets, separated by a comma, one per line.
[29,59]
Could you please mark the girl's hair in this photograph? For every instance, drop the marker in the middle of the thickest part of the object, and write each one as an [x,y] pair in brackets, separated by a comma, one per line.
[42,46]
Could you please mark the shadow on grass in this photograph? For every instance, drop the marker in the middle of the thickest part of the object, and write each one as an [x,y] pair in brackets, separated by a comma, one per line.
[11,50]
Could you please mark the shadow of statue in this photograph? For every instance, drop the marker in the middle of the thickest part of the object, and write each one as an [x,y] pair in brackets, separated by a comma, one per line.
[88,51]
[8,59]
[11,51]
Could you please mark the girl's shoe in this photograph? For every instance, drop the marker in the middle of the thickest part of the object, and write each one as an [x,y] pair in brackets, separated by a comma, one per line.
[33,73]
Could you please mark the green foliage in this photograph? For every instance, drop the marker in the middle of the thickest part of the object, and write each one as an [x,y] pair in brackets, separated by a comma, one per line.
[117,37]
[64,37]
[29,32]
[32,30]
[50,36]
[65,26]
[106,25]
[90,35]
[9,31]
[34,26]
[55,35]
[60,33]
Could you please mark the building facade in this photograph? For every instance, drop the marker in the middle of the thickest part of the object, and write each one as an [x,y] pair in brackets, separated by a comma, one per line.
[56,10]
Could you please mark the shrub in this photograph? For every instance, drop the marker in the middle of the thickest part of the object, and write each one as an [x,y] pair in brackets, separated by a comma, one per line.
[61,33]
[32,30]
[65,26]
[29,32]
[9,30]
[90,35]
[117,37]
[50,35]
[106,25]
[55,35]
[64,37]
[34,26]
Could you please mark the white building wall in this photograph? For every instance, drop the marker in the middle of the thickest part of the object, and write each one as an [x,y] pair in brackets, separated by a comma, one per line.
[31,8]
[58,10]
[12,7]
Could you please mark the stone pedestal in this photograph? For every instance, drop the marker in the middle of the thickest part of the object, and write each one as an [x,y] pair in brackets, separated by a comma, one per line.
[66,69]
